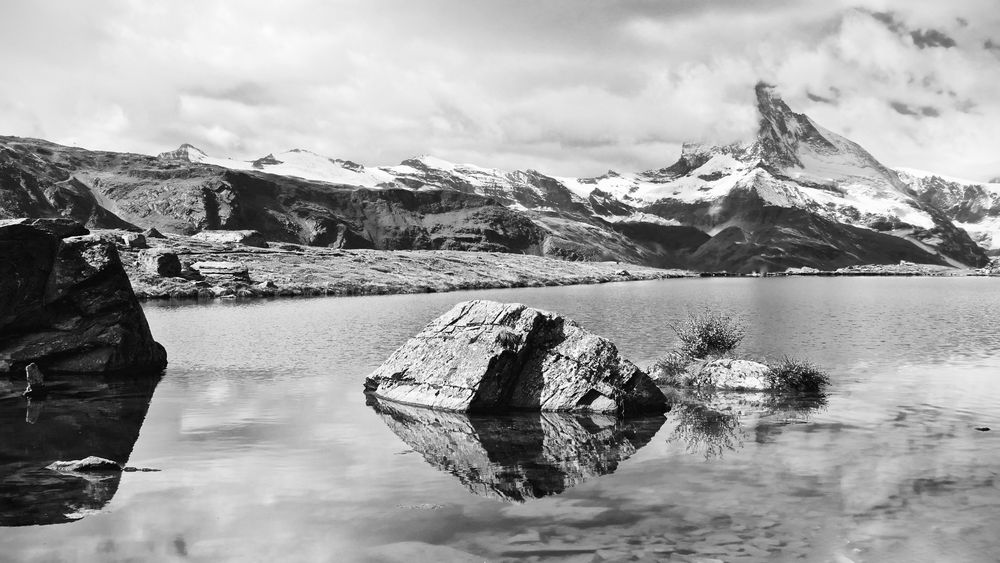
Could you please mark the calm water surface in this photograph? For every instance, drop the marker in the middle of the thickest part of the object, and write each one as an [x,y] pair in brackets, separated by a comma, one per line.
[267,449]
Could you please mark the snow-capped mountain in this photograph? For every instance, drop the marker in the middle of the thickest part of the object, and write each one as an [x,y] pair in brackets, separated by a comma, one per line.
[794,164]
[972,206]
[796,195]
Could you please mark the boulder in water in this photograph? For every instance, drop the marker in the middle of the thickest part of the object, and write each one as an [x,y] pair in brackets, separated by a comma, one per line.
[489,356]
[66,304]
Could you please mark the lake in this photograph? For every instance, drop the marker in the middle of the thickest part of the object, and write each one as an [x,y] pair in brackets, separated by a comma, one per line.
[266,449]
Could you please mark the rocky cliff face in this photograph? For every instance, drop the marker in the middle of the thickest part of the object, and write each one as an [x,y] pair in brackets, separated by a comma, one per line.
[970,205]
[66,304]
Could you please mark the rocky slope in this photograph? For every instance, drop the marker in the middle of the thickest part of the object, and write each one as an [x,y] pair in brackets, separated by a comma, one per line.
[797,195]
[972,206]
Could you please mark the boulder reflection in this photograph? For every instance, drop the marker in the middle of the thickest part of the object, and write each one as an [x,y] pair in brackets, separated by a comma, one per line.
[520,456]
[76,418]
[712,424]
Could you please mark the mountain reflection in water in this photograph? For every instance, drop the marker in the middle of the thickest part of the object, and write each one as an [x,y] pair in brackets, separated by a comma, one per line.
[77,417]
[518,456]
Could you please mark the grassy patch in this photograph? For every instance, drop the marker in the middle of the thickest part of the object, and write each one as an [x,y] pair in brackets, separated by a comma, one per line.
[797,375]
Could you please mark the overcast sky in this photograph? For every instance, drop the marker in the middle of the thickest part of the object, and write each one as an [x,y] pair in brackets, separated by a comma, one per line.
[569,87]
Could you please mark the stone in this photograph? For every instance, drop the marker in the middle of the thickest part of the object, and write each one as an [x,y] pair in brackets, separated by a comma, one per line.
[731,374]
[88,464]
[153,233]
[133,240]
[59,226]
[68,306]
[160,262]
[222,269]
[36,380]
[489,356]
[246,237]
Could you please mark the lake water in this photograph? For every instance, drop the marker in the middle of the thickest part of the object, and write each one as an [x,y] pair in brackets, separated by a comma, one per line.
[267,450]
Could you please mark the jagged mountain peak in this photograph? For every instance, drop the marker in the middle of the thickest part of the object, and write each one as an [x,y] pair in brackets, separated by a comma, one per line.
[781,131]
[186,152]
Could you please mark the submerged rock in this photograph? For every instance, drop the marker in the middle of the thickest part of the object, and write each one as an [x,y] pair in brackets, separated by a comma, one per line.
[66,304]
[88,464]
[488,356]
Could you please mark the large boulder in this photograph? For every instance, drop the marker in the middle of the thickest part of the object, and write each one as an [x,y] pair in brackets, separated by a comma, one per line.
[67,305]
[488,356]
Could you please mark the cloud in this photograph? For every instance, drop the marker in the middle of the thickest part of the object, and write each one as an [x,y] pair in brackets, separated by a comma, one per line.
[571,87]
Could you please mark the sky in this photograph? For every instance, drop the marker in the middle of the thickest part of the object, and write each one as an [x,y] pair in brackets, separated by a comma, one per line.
[567,87]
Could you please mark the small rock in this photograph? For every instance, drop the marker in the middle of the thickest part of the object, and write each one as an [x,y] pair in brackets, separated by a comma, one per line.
[624,273]
[85,465]
[222,269]
[153,233]
[729,374]
[36,379]
[160,263]
[983,428]
[133,240]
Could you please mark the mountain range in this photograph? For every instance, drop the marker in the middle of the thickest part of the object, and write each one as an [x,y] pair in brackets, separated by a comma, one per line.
[796,195]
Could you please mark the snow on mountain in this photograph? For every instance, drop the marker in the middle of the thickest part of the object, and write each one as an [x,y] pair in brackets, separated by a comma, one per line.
[971,205]
[794,164]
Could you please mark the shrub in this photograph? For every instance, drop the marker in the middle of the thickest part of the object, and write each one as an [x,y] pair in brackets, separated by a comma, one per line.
[708,333]
[797,375]
[669,368]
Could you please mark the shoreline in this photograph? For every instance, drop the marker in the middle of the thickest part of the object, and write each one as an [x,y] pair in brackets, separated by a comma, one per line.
[288,270]
[212,270]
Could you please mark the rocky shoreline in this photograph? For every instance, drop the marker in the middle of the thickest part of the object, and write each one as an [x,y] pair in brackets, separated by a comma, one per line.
[242,265]
[180,267]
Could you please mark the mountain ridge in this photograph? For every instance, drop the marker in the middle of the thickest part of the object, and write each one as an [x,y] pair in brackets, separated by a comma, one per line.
[798,195]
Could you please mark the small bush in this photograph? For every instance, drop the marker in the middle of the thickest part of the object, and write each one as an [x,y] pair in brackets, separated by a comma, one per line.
[707,334]
[670,367]
[797,375]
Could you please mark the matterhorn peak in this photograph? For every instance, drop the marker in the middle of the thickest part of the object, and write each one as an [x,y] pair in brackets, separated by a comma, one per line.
[781,131]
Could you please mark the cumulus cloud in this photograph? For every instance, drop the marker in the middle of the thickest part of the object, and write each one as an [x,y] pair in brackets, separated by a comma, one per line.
[570,87]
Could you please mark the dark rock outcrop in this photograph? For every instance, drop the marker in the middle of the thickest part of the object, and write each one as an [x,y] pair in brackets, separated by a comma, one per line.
[160,262]
[519,456]
[489,356]
[67,305]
